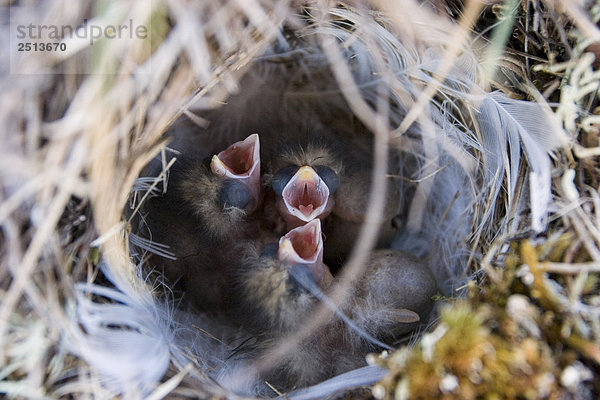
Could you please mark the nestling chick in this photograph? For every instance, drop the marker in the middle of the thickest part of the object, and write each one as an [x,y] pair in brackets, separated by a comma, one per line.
[224,197]
[306,195]
[393,298]
[281,286]
[206,208]
[238,168]
[271,298]
[320,177]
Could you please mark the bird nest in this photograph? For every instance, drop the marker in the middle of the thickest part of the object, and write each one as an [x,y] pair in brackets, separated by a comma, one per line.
[490,109]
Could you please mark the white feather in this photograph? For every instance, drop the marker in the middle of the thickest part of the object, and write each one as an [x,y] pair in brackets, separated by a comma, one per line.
[508,124]
[125,340]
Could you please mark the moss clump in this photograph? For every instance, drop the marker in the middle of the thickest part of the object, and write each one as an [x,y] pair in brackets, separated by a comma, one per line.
[514,336]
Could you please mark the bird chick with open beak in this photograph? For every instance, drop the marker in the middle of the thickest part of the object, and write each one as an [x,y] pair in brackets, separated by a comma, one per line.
[325,179]
[281,285]
[225,196]
[391,300]
[205,211]
[306,195]
[304,179]
[270,294]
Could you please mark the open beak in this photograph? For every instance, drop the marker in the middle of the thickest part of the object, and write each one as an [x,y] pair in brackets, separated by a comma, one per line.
[304,245]
[241,162]
[305,197]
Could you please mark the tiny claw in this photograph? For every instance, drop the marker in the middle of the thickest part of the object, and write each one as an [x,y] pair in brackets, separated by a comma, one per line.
[405,316]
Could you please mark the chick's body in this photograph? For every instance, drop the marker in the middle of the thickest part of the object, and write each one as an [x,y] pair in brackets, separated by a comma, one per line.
[393,283]
[200,229]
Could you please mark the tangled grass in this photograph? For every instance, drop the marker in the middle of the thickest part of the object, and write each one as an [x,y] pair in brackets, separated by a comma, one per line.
[79,126]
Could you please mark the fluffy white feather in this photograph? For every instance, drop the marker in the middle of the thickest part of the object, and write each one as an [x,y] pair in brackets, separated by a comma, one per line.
[125,338]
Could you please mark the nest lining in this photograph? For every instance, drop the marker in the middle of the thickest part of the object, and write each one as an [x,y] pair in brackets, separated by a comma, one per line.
[117,162]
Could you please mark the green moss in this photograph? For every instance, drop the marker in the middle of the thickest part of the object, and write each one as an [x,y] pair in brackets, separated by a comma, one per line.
[507,339]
